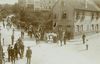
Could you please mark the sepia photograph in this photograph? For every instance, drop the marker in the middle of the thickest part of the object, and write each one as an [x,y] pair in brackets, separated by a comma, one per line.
[49,31]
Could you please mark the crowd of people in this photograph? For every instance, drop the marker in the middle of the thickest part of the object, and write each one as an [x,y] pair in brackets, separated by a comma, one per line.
[41,33]
[16,50]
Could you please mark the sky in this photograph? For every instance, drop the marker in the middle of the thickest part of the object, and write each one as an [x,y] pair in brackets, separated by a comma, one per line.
[8,1]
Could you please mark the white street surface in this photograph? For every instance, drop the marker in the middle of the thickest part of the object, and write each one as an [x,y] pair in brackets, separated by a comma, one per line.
[49,53]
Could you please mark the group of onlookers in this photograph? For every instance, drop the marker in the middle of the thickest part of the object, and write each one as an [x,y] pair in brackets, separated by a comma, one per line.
[16,51]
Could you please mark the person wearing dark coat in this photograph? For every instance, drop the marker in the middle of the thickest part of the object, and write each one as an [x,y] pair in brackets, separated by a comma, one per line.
[3,24]
[65,37]
[17,50]
[61,37]
[37,36]
[9,53]
[22,50]
[13,55]
[22,34]
[83,38]
[28,55]
[15,47]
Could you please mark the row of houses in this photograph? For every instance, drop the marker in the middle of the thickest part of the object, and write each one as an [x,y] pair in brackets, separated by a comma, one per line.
[76,16]
[73,16]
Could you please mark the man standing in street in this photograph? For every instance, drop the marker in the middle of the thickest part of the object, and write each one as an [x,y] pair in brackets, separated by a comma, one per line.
[83,38]
[22,34]
[65,37]
[17,50]
[28,55]
[12,55]
[9,53]
[61,36]
[3,24]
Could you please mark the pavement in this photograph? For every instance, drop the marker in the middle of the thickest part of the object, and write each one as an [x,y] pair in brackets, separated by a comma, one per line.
[74,52]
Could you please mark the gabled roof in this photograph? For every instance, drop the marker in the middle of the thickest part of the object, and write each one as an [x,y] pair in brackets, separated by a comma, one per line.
[97,2]
[80,4]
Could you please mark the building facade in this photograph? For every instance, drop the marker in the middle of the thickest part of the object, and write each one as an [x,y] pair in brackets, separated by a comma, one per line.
[26,3]
[38,4]
[47,4]
[22,2]
[76,16]
[44,4]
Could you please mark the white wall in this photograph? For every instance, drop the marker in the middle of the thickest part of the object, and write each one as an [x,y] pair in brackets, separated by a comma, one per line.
[87,24]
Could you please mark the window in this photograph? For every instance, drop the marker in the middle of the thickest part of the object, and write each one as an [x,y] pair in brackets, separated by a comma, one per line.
[77,16]
[64,15]
[49,7]
[83,16]
[92,16]
[97,16]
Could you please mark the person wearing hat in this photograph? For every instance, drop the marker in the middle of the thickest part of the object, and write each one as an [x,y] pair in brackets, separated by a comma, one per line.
[28,55]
